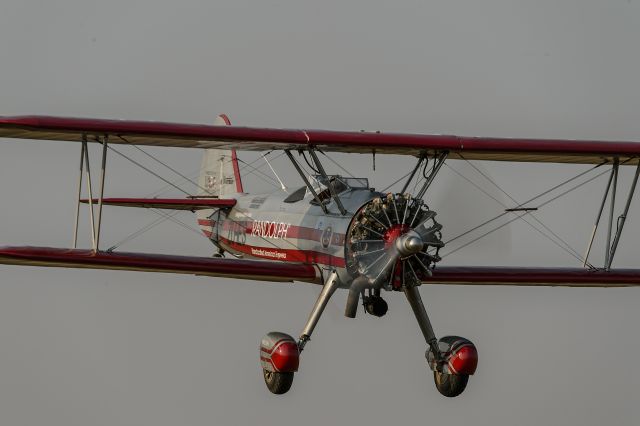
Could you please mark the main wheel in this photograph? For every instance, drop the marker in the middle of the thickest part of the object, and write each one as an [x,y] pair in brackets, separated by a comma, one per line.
[277,383]
[450,385]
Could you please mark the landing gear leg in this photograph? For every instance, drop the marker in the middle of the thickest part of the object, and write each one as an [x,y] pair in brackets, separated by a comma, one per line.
[413,296]
[452,367]
[280,353]
[330,286]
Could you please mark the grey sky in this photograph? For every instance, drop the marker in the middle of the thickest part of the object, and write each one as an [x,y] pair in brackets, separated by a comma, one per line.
[115,348]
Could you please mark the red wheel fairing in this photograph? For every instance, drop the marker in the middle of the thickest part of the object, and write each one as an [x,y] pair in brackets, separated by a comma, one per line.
[279,353]
[460,356]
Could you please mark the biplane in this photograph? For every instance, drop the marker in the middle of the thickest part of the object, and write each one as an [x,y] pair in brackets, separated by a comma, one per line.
[335,231]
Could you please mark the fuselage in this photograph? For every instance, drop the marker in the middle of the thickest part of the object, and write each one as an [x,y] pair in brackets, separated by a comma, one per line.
[273,227]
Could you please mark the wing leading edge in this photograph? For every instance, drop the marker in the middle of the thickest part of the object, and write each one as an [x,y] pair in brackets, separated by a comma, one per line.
[261,139]
[214,267]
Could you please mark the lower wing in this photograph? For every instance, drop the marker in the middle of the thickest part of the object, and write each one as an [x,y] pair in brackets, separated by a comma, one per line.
[215,267]
[561,277]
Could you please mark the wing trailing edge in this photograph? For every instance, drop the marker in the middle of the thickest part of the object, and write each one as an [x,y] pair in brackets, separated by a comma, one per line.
[190,204]
[146,262]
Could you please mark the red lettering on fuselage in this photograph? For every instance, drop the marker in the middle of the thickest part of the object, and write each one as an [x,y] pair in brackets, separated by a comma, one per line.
[270,229]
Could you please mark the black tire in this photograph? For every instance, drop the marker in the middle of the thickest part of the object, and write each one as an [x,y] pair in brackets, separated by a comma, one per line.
[277,383]
[450,385]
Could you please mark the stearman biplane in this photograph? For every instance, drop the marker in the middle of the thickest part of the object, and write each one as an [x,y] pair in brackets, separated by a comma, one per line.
[334,231]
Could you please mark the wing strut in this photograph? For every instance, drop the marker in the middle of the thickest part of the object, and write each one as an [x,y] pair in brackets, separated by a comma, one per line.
[614,171]
[90,188]
[306,181]
[105,141]
[77,219]
[436,167]
[413,173]
[612,184]
[85,167]
[622,218]
[335,197]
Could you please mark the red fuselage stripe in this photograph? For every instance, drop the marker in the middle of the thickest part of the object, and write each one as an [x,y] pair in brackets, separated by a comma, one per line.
[287,255]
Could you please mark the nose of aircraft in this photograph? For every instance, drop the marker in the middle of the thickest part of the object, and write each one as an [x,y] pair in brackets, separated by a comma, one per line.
[409,244]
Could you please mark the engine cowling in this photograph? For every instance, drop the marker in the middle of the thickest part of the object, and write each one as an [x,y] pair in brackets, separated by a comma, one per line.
[279,353]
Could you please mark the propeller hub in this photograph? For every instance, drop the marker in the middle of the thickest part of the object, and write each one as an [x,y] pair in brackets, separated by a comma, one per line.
[409,244]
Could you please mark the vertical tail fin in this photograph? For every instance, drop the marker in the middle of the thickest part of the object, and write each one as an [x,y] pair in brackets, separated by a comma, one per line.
[219,177]
[219,173]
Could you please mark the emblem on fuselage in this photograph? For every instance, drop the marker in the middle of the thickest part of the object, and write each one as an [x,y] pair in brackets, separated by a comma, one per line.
[326,237]
[210,181]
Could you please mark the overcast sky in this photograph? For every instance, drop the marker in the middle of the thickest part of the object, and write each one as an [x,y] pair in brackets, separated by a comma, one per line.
[120,348]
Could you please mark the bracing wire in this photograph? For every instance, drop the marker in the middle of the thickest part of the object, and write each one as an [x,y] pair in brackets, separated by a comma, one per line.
[562,194]
[148,170]
[401,178]
[338,165]
[171,216]
[495,184]
[524,203]
[567,250]
[164,164]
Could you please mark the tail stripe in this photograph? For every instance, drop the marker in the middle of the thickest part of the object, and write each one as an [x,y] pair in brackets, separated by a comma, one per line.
[236,171]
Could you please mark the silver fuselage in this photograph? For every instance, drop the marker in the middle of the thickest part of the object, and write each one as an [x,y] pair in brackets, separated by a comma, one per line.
[267,227]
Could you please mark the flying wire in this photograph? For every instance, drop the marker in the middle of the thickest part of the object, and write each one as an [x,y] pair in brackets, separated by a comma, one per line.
[524,203]
[401,178]
[570,252]
[336,163]
[494,183]
[148,170]
[539,206]
[171,216]
[164,164]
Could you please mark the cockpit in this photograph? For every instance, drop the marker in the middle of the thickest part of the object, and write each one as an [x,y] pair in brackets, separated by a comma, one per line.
[323,187]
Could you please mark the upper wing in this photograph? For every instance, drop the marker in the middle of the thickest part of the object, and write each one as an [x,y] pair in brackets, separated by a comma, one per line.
[561,277]
[216,267]
[190,204]
[261,139]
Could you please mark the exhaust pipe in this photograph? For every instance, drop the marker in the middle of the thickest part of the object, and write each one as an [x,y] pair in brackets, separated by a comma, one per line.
[356,288]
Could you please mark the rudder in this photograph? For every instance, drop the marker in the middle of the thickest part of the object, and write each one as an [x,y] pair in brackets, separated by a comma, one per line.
[219,173]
